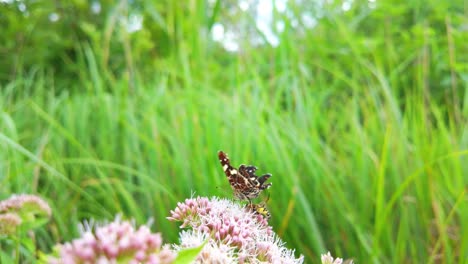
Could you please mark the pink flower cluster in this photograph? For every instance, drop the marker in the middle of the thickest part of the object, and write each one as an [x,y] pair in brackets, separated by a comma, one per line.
[117,242]
[231,232]
[222,218]
[21,209]
[190,211]
[25,203]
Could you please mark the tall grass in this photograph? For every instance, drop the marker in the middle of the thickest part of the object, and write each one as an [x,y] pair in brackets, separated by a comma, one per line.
[367,160]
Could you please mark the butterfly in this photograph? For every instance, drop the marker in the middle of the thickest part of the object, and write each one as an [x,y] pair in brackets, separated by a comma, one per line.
[244,183]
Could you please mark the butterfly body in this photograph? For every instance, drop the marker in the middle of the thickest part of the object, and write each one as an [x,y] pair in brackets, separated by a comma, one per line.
[259,209]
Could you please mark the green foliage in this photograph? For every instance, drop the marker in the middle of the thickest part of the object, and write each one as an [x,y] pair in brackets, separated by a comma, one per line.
[360,119]
[189,255]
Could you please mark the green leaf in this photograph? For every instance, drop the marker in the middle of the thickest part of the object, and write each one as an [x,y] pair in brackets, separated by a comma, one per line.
[189,255]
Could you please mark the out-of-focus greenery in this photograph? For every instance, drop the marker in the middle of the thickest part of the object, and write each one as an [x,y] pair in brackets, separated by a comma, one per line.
[361,119]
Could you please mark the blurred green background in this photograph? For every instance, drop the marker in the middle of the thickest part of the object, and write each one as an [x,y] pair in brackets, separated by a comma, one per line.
[358,108]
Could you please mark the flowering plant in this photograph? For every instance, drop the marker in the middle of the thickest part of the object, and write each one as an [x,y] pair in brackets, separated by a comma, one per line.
[116,242]
[22,211]
[215,231]
[232,233]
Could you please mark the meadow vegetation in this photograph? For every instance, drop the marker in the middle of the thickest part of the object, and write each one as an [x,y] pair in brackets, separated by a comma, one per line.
[361,119]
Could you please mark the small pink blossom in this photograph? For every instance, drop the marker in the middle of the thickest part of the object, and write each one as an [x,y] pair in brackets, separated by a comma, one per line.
[328,259]
[8,223]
